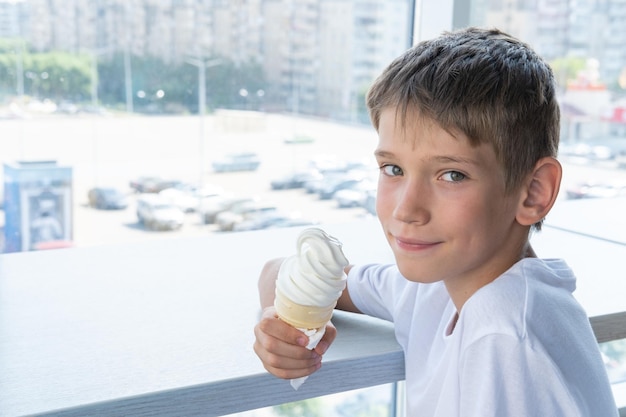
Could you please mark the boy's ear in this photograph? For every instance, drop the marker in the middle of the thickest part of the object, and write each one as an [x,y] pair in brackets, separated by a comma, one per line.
[539,191]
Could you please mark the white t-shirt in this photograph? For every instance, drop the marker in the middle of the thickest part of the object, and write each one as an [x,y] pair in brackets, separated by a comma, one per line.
[522,345]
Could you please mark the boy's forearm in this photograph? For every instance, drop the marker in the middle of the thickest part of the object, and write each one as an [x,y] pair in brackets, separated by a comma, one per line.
[267,282]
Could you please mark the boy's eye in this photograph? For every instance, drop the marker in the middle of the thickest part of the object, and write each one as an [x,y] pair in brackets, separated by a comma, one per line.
[453,176]
[391,170]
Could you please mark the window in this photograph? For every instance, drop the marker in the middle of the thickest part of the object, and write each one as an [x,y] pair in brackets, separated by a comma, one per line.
[144,96]
[237,103]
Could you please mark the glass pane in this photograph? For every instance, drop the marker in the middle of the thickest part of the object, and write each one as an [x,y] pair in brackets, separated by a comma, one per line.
[583,42]
[207,104]
[615,358]
[251,106]
[378,401]
[124,121]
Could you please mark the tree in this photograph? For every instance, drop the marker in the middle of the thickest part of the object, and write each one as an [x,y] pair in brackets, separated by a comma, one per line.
[567,69]
[158,87]
[307,408]
[179,84]
[51,75]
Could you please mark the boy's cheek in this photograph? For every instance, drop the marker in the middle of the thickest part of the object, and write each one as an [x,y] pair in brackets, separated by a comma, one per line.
[384,204]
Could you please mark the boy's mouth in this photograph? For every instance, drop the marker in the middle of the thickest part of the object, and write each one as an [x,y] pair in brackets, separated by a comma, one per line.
[414,244]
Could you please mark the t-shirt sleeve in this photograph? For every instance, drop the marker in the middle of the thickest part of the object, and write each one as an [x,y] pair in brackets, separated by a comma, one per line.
[375,289]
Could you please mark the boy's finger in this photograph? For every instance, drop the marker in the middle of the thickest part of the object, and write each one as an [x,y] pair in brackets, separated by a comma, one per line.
[283,359]
[274,326]
[292,373]
[327,339]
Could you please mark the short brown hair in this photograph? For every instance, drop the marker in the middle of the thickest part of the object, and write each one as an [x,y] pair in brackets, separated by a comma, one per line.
[484,83]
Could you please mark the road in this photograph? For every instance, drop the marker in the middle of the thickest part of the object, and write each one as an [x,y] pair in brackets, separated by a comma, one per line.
[110,151]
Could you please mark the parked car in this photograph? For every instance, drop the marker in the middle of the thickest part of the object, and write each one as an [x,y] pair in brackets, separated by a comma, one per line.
[296,179]
[148,184]
[107,198]
[212,207]
[243,161]
[265,220]
[328,164]
[316,185]
[601,149]
[293,222]
[370,203]
[299,139]
[355,196]
[597,190]
[189,198]
[328,190]
[226,220]
[155,213]
[335,174]
[181,199]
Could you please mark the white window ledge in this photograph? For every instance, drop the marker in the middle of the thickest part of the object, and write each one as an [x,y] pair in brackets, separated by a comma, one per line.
[165,328]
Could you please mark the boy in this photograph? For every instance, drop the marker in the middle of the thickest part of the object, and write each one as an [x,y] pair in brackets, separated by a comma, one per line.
[468,127]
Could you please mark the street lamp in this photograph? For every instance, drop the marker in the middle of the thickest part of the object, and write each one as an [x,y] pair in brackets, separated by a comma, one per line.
[95,53]
[244,96]
[19,68]
[202,65]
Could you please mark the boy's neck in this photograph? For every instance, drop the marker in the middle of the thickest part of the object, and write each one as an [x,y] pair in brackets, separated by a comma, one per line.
[462,289]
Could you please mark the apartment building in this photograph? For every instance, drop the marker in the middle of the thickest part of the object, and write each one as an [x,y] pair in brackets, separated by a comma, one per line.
[11,16]
[561,28]
[318,56]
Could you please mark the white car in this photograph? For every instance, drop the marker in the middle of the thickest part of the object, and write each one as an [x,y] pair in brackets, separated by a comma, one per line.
[155,213]
[243,161]
[355,196]
[189,199]
[212,207]
[273,219]
[226,220]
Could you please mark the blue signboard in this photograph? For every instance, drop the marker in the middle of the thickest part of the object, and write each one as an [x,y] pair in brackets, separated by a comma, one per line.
[38,206]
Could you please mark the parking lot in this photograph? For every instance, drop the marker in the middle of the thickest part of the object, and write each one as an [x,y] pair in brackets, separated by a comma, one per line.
[113,151]
[94,226]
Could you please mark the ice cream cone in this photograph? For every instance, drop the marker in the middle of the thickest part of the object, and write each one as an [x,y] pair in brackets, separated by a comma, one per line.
[309,284]
[300,316]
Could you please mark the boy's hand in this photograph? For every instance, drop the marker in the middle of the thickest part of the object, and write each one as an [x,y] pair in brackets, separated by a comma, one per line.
[282,350]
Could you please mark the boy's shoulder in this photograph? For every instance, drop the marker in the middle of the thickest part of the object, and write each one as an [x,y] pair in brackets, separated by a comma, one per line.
[520,300]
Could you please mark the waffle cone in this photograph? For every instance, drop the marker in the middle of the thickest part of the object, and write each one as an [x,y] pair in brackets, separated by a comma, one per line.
[300,316]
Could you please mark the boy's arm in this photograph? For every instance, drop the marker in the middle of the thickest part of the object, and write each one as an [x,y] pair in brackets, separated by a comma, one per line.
[345,301]
[267,282]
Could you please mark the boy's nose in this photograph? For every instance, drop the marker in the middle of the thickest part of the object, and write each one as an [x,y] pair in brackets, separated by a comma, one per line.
[412,204]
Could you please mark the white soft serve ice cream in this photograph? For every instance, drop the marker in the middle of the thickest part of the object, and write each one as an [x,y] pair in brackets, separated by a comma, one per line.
[310,282]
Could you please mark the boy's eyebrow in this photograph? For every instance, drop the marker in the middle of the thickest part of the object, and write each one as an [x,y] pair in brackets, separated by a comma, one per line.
[381,153]
[456,159]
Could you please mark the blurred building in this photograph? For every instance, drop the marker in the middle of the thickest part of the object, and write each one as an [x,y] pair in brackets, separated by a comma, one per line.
[593,29]
[319,56]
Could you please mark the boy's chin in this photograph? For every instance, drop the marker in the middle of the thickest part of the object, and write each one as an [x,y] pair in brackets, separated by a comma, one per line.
[421,280]
[410,274]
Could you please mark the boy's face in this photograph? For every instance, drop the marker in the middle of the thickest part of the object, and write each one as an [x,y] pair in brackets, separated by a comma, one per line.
[443,207]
